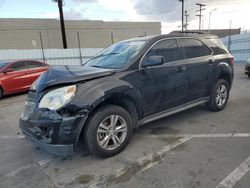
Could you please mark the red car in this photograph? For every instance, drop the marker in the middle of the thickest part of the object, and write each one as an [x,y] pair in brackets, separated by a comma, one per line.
[18,76]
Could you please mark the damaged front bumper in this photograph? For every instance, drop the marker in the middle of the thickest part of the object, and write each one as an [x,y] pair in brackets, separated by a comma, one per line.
[51,131]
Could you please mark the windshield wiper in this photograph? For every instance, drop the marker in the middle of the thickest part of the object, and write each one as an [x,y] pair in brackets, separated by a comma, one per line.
[96,66]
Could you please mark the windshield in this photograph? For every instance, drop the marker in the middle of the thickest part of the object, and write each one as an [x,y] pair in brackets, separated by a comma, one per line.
[2,64]
[117,56]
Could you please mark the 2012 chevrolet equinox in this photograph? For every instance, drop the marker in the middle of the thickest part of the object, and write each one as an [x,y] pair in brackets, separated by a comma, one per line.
[126,85]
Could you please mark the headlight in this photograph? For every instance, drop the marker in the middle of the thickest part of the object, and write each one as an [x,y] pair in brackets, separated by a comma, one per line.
[57,98]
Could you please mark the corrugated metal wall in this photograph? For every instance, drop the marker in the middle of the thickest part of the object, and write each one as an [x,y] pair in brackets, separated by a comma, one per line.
[52,56]
[239,46]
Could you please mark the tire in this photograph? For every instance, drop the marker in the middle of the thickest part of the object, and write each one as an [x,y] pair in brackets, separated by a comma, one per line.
[219,96]
[106,142]
[1,93]
[248,75]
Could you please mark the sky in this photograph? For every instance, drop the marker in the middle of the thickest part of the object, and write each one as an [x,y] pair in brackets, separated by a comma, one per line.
[168,12]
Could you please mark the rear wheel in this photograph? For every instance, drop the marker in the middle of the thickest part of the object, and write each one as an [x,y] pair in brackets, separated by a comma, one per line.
[248,75]
[108,131]
[219,96]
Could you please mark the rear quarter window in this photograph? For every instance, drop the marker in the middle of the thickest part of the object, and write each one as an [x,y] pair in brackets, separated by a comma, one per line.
[218,47]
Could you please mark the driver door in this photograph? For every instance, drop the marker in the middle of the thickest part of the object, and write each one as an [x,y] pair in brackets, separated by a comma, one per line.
[164,86]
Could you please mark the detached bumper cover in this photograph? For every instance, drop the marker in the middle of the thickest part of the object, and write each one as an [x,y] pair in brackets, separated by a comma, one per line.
[60,150]
[50,131]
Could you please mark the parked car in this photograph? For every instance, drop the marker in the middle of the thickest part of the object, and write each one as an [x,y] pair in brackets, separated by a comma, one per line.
[18,76]
[128,84]
[247,68]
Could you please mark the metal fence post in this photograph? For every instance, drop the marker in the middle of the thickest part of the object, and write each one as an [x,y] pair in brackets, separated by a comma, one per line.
[112,37]
[41,40]
[79,46]
[229,36]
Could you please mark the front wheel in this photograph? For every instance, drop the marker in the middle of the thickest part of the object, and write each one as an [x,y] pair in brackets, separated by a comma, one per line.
[108,131]
[219,96]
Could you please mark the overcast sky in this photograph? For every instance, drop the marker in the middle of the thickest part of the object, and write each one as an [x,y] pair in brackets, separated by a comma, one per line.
[166,11]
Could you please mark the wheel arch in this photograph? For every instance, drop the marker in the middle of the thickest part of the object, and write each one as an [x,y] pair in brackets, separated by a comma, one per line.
[125,101]
[119,99]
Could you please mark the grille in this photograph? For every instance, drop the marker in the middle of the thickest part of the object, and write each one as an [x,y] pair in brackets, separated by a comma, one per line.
[32,96]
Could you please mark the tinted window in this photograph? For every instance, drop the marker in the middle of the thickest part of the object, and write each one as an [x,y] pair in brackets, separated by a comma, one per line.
[33,65]
[218,47]
[18,66]
[168,49]
[194,48]
[217,42]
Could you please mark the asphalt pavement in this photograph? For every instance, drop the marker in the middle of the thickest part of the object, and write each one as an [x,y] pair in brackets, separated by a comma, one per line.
[191,149]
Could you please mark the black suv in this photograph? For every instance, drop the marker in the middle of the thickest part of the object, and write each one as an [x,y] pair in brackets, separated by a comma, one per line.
[128,84]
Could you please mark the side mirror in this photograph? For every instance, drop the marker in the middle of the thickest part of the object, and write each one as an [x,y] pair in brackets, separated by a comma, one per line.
[8,70]
[153,61]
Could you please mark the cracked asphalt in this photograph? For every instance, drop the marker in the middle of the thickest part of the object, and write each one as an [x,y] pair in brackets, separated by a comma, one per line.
[191,149]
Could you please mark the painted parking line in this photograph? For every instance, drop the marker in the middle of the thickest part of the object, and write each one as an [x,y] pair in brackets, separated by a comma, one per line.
[142,164]
[12,137]
[232,179]
[20,169]
[229,135]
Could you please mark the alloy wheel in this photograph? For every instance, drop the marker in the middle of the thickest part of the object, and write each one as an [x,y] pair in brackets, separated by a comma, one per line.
[221,95]
[112,132]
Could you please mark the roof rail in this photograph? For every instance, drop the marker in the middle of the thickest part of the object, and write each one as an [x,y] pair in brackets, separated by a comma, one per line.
[188,32]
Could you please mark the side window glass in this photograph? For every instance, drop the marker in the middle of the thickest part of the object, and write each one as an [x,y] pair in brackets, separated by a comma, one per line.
[194,48]
[33,65]
[18,66]
[168,49]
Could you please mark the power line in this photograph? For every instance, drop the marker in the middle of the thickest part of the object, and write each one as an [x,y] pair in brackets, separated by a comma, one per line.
[200,11]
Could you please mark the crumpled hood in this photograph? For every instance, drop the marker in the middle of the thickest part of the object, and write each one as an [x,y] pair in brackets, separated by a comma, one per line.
[57,75]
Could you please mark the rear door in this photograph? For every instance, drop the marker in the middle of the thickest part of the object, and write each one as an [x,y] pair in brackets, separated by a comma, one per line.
[200,62]
[17,80]
[35,69]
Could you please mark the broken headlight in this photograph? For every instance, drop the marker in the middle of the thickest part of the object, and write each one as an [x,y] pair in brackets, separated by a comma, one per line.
[57,98]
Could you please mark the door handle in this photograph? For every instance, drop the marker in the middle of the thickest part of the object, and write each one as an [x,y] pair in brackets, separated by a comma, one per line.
[181,69]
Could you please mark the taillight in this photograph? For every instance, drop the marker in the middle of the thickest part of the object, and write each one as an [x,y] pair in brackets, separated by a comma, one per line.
[231,60]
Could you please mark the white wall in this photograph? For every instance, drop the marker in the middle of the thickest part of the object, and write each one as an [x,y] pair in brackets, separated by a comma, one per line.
[52,56]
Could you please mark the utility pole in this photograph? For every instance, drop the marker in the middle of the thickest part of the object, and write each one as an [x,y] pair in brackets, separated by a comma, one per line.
[182,14]
[60,6]
[200,11]
[186,22]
